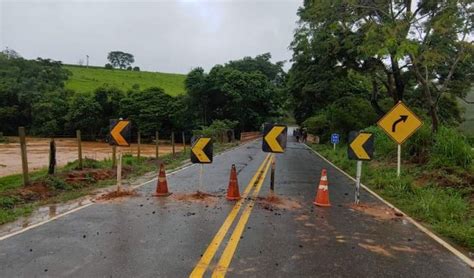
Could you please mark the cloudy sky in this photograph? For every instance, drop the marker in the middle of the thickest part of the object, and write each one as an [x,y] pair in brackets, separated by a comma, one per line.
[164,35]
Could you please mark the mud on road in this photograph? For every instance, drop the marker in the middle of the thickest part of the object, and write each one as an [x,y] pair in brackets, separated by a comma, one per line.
[66,151]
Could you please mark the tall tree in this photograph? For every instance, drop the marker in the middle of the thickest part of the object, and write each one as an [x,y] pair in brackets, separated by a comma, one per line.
[120,59]
[390,43]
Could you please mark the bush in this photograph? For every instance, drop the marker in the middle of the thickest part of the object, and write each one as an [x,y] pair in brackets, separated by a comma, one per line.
[136,68]
[342,116]
[384,146]
[57,183]
[108,66]
[450,148]
[317,124]
[129,68]
[217,130]
[419,145]
[8,202]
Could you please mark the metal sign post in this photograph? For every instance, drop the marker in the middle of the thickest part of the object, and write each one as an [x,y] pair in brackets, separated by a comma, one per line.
[201,171]
[334,139]
[357,188]
[399,159]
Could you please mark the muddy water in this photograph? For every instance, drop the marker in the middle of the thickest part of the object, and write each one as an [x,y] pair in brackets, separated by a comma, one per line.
[66,151]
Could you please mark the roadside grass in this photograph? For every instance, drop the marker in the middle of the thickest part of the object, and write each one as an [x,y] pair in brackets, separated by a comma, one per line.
[85,80]
[17,200]
[448,211]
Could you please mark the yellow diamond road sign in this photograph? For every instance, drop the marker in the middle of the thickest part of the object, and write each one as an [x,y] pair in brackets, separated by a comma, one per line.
[400,123]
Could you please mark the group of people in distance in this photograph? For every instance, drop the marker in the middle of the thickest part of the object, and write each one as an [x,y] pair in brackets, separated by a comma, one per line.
[301,134]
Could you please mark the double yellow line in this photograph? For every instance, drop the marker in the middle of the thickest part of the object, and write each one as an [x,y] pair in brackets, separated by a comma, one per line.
[224,262]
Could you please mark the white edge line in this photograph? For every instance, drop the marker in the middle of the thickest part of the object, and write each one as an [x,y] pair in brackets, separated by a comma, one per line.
[422,228]
[180,168]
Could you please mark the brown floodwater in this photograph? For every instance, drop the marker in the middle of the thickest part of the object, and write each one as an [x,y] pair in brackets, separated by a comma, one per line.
[66,151]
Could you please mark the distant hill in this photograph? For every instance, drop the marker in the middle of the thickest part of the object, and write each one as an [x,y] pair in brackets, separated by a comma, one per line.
[87,79]
[468,126]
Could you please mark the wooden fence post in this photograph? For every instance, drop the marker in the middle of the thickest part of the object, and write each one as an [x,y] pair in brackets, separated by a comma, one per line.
[52,157]
[79,148]
[172,142]
[24,159]
[139,141]
[157,148]
[184,141]
[114,156]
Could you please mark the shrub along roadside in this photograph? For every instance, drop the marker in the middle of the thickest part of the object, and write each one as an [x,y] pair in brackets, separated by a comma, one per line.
[69,183]
[448,211]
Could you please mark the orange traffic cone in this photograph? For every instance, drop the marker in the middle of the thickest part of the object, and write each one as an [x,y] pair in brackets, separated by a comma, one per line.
[322,196]
[162,184]
[233,189]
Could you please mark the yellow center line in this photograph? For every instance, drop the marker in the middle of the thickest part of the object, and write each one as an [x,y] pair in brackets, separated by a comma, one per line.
[211,250]
[224,262]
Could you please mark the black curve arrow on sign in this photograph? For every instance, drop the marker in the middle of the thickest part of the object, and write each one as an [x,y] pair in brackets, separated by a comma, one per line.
[403,118]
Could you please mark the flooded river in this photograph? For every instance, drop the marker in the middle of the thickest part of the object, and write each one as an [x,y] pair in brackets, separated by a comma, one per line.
[66,151]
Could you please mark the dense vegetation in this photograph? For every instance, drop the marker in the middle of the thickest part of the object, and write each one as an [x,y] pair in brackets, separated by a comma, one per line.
[84,79]
[364,58]
[51,100]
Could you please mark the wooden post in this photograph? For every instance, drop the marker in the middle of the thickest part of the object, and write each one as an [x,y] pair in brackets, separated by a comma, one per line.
[24,159]
[79,148]
[114,156]
[184,142]
[52,157]
[157,148]
[139,141]
[119,170]
[172,143]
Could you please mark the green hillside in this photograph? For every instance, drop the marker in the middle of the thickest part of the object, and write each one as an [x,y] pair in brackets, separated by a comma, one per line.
[87,79]
[468,126]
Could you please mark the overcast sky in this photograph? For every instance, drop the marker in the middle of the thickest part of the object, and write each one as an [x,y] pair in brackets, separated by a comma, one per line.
[163,35]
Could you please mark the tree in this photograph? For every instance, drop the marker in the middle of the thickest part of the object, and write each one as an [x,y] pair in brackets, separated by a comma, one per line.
[83,114]
[119,59]
[149,110]
[23,84]
[247,96]
[391,44]
[108,98]
[11,53]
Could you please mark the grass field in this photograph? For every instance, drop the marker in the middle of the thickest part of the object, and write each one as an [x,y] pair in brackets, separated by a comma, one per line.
[468,126]
[88,79]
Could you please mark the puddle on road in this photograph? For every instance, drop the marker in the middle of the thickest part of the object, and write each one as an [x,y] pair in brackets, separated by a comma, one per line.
[41,214]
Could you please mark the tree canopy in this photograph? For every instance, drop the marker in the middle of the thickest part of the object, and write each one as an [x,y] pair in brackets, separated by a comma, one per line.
[119,59]
[416,51]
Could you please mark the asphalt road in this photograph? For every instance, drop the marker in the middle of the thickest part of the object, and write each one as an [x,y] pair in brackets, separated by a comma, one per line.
[286,236]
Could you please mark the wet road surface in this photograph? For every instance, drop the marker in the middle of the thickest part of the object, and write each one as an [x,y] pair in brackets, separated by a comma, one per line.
[286,236]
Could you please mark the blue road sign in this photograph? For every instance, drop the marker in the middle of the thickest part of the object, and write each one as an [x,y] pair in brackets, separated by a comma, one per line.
[335,138]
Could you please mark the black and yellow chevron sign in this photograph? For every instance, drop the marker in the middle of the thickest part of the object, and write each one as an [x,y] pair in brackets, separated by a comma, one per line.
[274,138]
[201,151]
[361,145]
[120,133]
